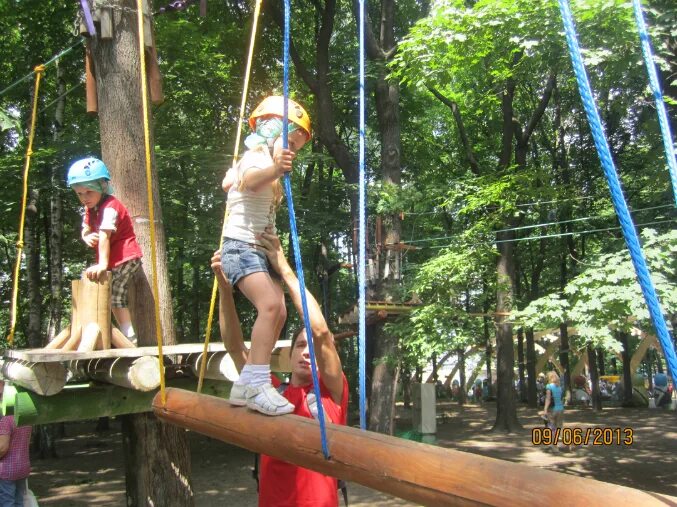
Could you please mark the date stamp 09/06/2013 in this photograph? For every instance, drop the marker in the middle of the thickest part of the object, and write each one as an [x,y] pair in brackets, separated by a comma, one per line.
[583,436]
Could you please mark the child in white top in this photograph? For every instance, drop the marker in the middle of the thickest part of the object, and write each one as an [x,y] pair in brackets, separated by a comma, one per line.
[254,192]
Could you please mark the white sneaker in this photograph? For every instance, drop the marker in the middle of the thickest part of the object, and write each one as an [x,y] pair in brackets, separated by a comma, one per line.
[238,395]
[267,400]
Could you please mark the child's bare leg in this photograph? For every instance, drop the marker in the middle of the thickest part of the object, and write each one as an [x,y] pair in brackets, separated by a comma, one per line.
[268,298]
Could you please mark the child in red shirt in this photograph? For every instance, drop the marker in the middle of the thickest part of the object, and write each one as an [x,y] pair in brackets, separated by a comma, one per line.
[107,227]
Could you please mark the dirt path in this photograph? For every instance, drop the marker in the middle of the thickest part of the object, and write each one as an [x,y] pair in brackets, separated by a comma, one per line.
[90,470]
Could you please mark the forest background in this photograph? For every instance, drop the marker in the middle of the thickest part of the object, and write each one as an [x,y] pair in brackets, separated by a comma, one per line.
[478,154]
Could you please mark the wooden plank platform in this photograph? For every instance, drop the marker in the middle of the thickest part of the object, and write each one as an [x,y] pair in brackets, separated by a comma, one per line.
[57,356]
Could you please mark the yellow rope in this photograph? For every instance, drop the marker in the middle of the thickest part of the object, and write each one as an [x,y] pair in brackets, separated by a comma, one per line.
[151,202]
[39,70]
[215,287]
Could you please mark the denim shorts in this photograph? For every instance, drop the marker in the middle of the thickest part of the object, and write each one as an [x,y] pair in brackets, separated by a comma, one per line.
[239,259]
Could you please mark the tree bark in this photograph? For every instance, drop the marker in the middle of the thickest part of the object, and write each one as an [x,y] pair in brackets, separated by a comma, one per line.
[157,455]
[464,388]
[600,361]
[506,410]
[55,239]
[520,363]
[487,341]
[594,378]
[532,394]
[32,235]
[565,382]
[384,383]
[627,374]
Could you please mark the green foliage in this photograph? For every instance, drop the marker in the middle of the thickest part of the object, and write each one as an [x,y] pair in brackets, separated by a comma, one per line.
[606,297]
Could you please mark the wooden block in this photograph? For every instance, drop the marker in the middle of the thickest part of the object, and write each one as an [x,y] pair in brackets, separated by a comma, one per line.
[106,20]
[90,83]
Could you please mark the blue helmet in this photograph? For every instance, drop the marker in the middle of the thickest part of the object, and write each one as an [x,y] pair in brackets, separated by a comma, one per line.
[87,169]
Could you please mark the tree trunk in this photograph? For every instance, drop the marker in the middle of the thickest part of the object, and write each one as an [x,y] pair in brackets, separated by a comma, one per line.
[156,454]
[520,365]
[55,239]
[600,361]
[506,410]
[565,381]
[387,95]
[406,388]
[532,394]
[32,235]
[461,372]
[627,374]
[594,378]
[614,365]
[384,383]
[487,341]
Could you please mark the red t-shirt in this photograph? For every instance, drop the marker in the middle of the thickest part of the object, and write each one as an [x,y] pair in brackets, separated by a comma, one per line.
[123,245]
[285,485]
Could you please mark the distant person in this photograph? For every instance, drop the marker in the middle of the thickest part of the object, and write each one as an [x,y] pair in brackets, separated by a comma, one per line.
[254,194]
[107,228]
[661,393]
[554,406]
[15,465]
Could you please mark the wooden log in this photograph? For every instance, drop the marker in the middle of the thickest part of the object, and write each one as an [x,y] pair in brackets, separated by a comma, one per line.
[60,339]
[91,334]
[421,473]
[138,373]
[45,379]
[74,340]
[220,365]
[119,340]
[91,401]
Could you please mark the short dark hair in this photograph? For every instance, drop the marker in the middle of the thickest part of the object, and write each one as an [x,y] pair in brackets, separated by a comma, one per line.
[295,334]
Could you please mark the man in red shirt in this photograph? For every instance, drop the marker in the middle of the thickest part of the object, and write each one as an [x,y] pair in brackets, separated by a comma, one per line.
[15,465]
[283,484]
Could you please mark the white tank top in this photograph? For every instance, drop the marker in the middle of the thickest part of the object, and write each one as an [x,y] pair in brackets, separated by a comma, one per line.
[249,213]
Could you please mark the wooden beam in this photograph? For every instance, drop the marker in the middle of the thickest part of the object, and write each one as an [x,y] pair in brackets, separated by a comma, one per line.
[91,401]
[45,379]
[138,373]
[46,356]
[420,473]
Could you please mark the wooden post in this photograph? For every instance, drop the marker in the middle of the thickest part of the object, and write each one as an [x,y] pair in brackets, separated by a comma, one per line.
[420,473]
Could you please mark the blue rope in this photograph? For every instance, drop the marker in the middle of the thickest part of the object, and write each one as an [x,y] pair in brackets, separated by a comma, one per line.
[295,238]
[621,207]
[658,96]
[362,249]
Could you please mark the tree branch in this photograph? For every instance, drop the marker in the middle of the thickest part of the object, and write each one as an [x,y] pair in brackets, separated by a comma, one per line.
[275,10]
[542,105]
[474,166]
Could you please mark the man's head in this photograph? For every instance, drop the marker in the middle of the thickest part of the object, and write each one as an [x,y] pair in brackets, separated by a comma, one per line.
[301,373]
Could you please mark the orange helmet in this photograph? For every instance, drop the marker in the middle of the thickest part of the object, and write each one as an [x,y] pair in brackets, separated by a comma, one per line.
[273,106]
